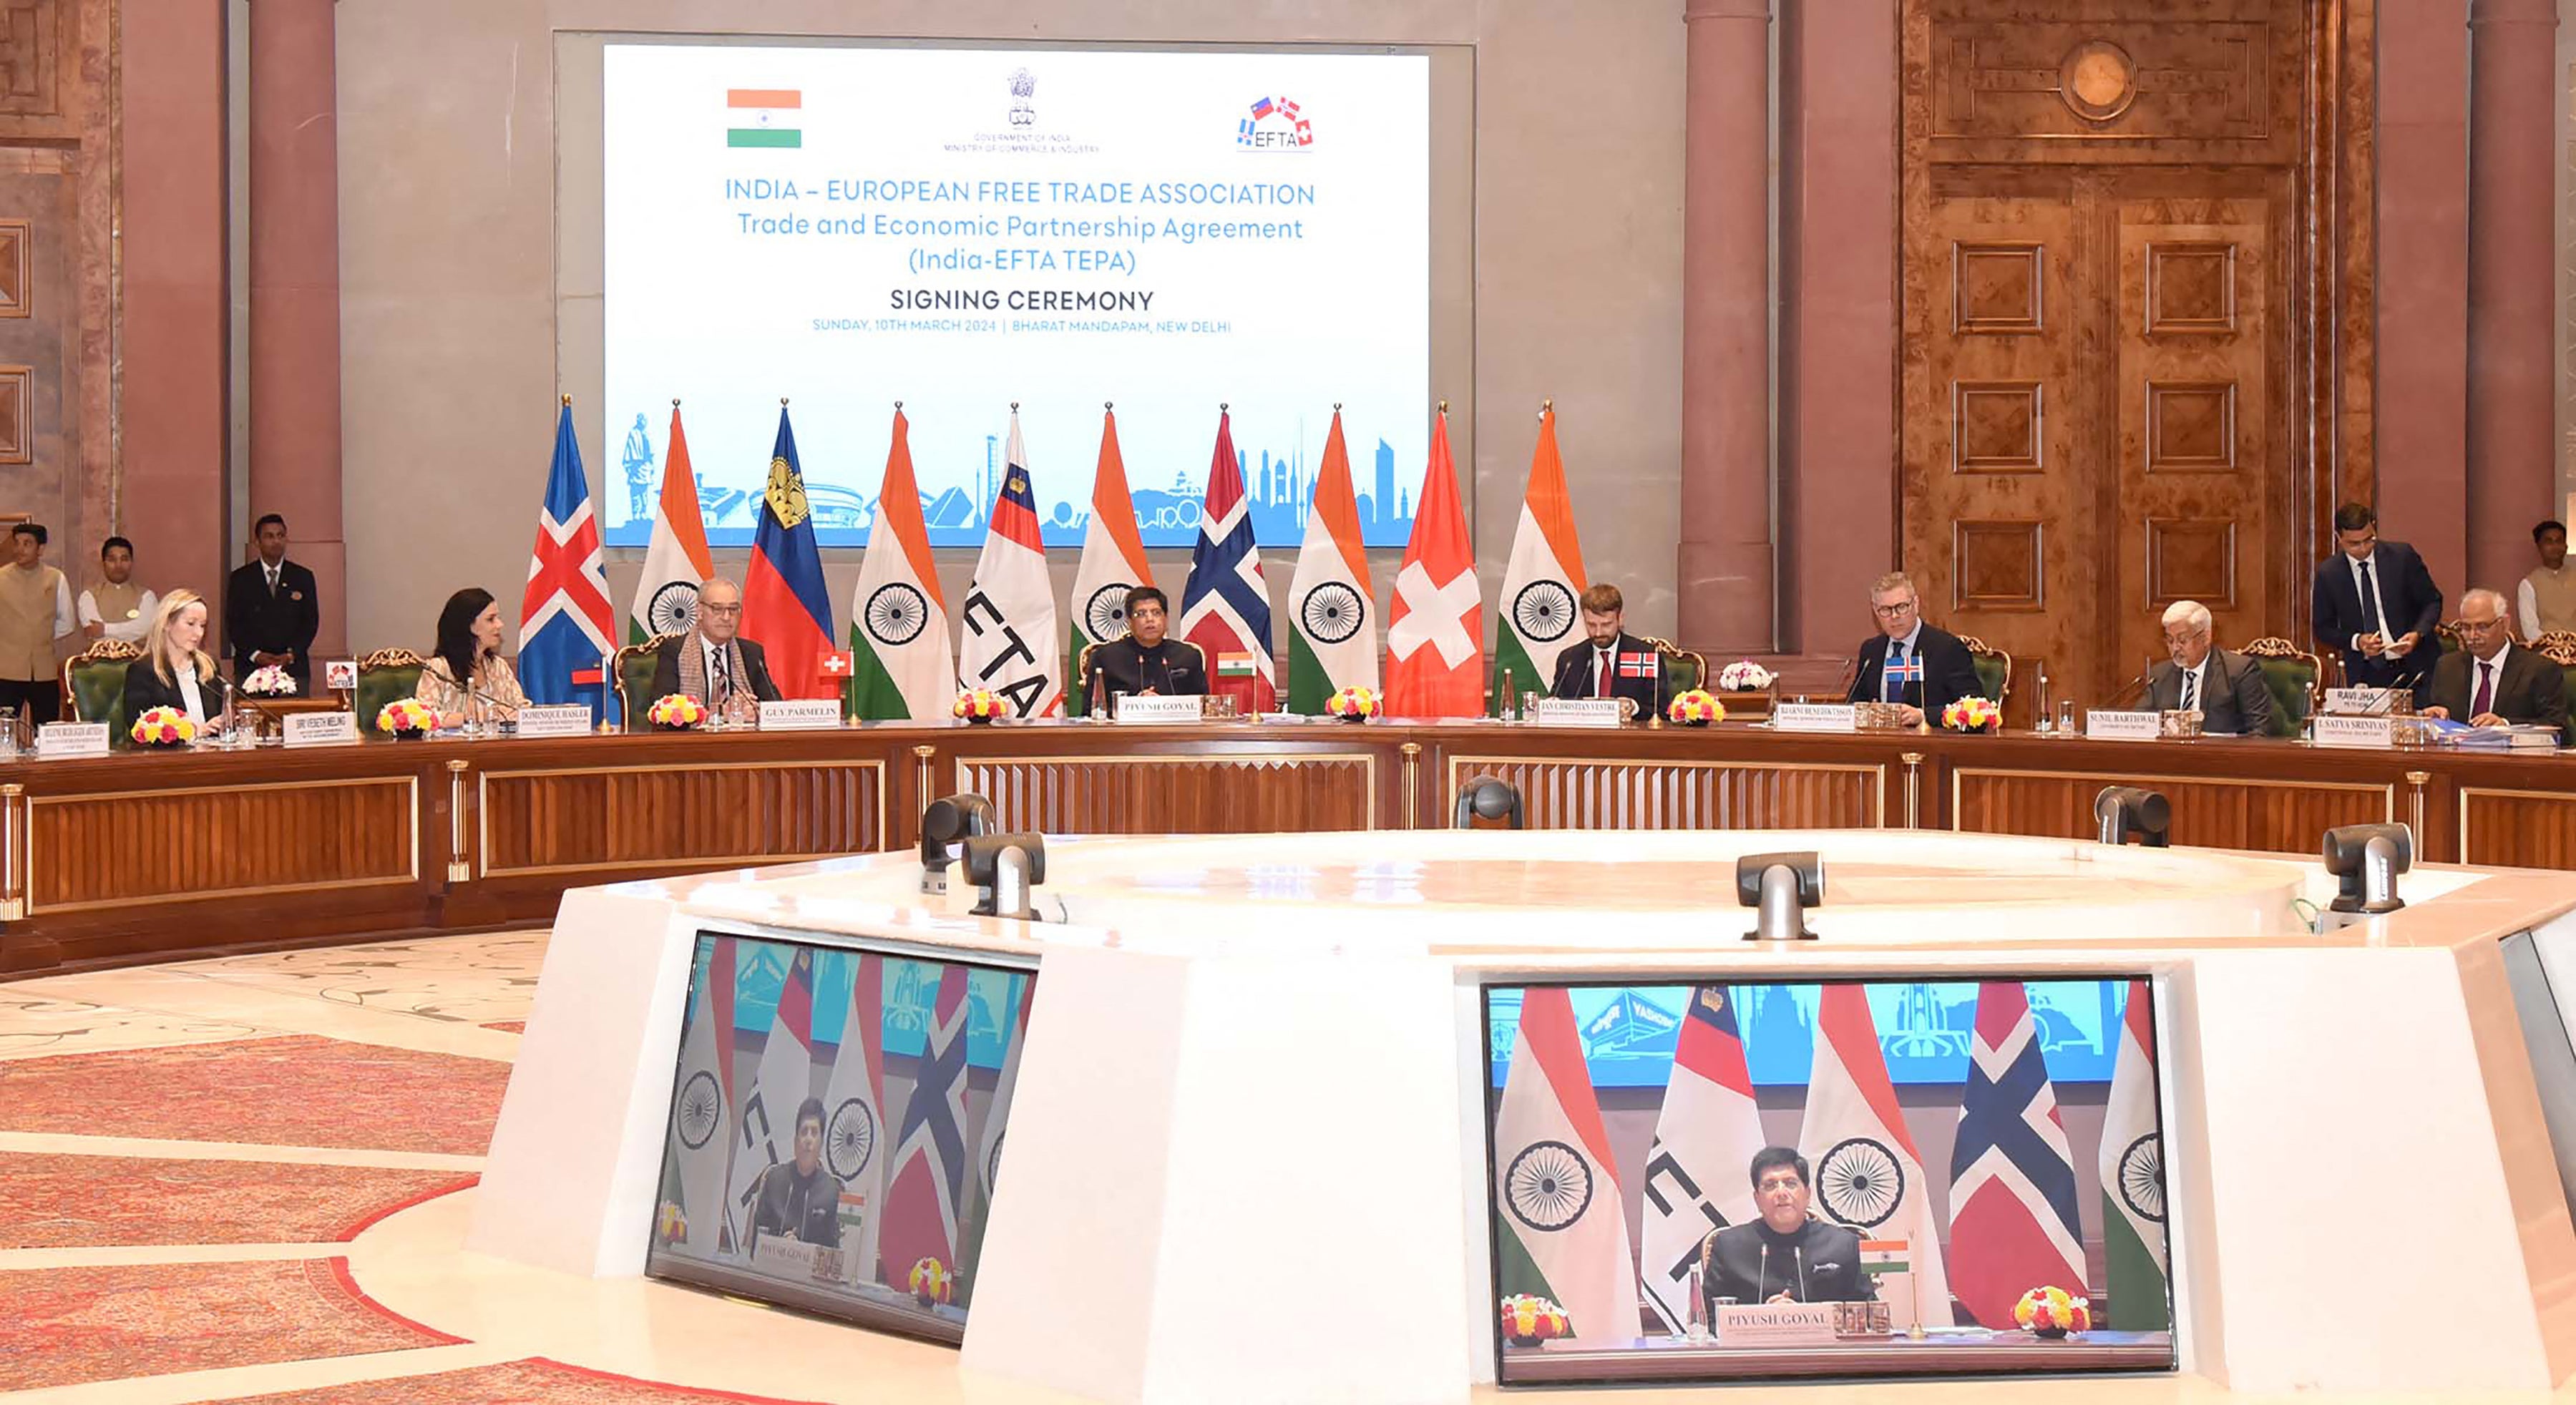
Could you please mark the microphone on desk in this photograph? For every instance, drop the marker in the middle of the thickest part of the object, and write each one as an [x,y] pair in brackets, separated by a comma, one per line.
[1851,675]
[1762,1276]
[2134,690]
[1801,1251]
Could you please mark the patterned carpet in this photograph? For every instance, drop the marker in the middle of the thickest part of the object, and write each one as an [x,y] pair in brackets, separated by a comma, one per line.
[296,1090]
[68,1325]
[53,1202]
[532,1382]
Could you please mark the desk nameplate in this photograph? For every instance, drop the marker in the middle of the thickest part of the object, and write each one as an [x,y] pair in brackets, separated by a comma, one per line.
[2105,724]
[1159,710]
[555,720]
[1776,1325]
[320,729]
[63,741]
[2378,733]
[800,715]
[1577,712]
[1816,717]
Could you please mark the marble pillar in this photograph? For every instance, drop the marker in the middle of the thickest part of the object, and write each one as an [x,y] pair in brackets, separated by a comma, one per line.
[2512,400]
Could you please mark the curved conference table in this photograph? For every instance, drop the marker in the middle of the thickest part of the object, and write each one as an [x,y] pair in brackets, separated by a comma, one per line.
[140,856]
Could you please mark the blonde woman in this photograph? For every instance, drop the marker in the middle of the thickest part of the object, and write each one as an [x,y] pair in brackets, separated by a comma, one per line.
[174,670]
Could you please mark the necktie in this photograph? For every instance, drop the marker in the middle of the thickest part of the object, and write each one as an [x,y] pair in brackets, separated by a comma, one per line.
[2485,701]
[724,676]
[1600,674]
[2190,689]
[2370,623]
[272,579]
[1889,690]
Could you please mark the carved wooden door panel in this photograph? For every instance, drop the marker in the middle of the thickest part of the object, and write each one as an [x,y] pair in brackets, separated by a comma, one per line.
[2123,246]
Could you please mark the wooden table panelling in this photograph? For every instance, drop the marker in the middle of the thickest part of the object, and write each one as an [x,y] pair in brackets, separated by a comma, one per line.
[2210,812]
[224,841]
[2517,828]
[1610,793]
[1248,793]
[590,819]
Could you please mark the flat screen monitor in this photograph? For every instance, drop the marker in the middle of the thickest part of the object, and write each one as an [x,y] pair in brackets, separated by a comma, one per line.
[836,1128]
[1701,1224]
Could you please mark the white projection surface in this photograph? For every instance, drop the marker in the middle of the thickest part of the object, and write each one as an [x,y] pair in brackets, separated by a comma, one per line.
[961,228]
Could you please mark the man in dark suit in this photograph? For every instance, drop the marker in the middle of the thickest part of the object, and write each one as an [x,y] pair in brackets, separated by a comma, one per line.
[727,674]
[2227,690]
[2490,683]
[1911,663]
[1147,661]
[271,610]
[2374,601]
[1611,662]
[1783,1257]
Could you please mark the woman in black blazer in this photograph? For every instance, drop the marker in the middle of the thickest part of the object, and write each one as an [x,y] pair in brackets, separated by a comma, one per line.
[174,665]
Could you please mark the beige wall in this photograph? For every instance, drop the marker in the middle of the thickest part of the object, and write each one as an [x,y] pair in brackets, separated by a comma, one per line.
[452,342]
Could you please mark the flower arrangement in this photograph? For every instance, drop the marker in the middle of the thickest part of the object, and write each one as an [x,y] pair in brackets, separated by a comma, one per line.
[977,705]
[933,1283]
[1695,708]
[268,681]
[1973,715]
[671,1223]
[2053,1312]
[406,718]
[1529,1319]
[1745,676]
[677,711]
[163,726]
[1353,704]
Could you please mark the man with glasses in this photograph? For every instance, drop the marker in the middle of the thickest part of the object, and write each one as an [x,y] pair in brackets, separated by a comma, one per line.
[1912,664]
[1783,1257]
[2374,601]
[726,673]
[2490,683]
[2226,689]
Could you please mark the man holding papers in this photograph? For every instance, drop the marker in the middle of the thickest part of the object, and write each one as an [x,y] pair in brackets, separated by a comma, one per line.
[1784,1257]
[2490,683]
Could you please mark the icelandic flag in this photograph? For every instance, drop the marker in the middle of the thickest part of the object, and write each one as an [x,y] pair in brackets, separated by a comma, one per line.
[927,1186]
[565,620]
[1908,669]
[1225,608]
[2013,1223]
[784,605]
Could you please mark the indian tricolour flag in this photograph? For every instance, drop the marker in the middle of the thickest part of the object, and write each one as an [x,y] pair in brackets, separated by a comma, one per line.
[1113,559]
[1543,582]
[2132,1168]
[764,117]
[1563,1228]
[1332,644]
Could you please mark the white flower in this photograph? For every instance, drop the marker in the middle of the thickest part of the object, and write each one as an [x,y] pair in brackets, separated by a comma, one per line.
[1744,675]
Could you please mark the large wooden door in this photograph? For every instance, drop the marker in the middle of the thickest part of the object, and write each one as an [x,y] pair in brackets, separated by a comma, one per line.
[2113,324]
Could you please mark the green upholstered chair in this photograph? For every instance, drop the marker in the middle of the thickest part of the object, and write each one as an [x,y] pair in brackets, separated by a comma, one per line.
[383,676]
[2294,675]
[94,685]
[635,664]
[1994,669]
[2559,647]
[1684,669]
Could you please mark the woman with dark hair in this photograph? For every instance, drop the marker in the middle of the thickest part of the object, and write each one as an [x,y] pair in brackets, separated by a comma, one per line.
[469,648]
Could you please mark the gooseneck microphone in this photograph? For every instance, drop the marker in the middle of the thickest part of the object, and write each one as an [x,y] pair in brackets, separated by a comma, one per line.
[1762,1277]
[1801,1252]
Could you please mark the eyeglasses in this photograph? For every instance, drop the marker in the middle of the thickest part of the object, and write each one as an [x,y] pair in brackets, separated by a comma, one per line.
[1889,612]
[2469,626]
[1779,1183]
[733,609]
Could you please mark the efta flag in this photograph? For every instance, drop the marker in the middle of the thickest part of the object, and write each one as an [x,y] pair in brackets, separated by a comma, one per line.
[565,619]
[784,606]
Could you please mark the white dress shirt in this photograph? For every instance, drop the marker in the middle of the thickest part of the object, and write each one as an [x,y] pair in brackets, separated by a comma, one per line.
[2195,685]
[188,694]
[721,678]
[2491,673]
[2377,601]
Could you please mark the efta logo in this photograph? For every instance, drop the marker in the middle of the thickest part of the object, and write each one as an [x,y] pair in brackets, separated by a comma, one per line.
[1275,124]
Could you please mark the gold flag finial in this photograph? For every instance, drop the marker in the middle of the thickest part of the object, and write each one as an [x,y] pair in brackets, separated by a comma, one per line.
[567,399]
[1547,407]
[1444,407]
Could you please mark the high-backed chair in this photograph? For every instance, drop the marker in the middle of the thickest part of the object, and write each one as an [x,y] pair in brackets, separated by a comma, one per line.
[384,675]
[94,685]
[2294,675]
[635,664]
[2559,647]
[1684,669]
[1994,668]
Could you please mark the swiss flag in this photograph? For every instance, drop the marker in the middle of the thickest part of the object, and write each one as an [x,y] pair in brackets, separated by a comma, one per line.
[835,664]
[1435,640]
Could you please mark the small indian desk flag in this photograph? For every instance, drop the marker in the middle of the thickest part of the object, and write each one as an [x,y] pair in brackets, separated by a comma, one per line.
[764,117]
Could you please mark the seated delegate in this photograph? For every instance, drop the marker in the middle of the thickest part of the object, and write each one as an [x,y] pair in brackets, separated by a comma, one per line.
[175,670]
[1146,662]
[466,675]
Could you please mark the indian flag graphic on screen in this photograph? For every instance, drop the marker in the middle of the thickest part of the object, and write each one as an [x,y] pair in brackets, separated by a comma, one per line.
[764,116]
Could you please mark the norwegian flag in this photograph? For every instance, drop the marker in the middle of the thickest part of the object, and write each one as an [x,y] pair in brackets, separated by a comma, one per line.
[1225,608]
[927,1186]
[1645,665]
[565,619]
[2013,1222]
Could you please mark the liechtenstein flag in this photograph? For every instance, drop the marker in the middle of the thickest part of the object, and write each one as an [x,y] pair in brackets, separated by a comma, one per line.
[565,619]
[784,608]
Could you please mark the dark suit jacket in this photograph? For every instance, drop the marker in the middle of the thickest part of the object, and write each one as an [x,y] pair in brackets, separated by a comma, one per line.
[755,669]
[284,623]
[1122,666]
[1818,1264]
[2529,688]
[2233,699]
[2414,607]
[1950,672]
[144,690]
[1574,675]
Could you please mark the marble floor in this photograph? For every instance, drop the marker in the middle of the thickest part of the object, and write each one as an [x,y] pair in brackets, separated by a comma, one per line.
[249,1179]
